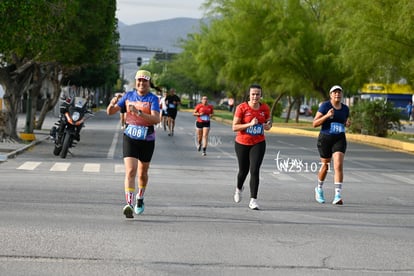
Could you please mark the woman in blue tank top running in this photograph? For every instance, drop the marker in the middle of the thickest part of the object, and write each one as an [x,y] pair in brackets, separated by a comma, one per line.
[333,117]
[142,113]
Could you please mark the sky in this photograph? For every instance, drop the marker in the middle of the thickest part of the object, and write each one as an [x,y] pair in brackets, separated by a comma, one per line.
[137,11]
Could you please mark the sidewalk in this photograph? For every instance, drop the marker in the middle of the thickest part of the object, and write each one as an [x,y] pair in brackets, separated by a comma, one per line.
[9,149]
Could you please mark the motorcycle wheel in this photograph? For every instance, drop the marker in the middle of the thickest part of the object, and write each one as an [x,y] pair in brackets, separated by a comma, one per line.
[57,150]
[66,144]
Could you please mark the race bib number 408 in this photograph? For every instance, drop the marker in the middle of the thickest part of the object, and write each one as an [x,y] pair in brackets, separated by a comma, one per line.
[257,129]
[136,132]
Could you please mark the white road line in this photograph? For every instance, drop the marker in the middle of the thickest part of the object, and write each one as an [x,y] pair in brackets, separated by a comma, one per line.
[29,166]
[60,167]
[282,176]
[352,177]
[119,168]
[399,178]
[91,167]
[310,176]
[111,151]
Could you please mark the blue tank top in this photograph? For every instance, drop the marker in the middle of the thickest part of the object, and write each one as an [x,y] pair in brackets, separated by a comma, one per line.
[335,125]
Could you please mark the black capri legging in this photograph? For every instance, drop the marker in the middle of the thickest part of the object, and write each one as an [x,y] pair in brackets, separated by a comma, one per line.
[250,159]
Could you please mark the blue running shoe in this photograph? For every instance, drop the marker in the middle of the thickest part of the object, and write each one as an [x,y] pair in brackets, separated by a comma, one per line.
[319,195]
[128,211]
[337,200]
[139,207]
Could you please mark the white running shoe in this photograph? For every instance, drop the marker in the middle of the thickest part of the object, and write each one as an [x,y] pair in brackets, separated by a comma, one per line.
[237,195]
[253,204]
[338,200]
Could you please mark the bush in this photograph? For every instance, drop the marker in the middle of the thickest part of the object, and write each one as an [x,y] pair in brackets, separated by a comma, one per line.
[374,118]
[277,112]
[314,109]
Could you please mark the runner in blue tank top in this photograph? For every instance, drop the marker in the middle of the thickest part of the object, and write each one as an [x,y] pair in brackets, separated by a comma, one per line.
[333,117]
[142,113]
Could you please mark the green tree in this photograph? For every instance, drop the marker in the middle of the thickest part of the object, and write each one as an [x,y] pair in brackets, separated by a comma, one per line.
[376,39]
[280,44]
[47,39]
[297,48]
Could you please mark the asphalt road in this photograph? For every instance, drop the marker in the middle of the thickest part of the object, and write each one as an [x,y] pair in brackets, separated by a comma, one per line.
[64,216]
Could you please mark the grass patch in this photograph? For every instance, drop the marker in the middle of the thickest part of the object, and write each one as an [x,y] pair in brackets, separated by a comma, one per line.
[402,136]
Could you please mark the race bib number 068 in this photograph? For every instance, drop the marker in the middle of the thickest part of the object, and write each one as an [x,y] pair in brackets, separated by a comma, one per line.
[257,129]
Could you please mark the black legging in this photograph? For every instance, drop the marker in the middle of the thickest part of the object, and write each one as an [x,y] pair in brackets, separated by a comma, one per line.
[250,159]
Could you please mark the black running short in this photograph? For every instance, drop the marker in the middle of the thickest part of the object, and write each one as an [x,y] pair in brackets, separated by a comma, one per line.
[139,149]
[203,124]
[328,144]
[172,113]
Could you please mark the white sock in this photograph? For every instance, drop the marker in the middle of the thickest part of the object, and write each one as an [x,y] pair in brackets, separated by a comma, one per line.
[320,184]
[338,188]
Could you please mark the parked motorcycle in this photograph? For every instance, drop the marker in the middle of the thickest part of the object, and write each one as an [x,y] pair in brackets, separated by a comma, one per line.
[66,132]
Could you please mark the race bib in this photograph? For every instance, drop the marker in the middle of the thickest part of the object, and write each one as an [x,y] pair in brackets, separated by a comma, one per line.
[171,105]
[337,128]
[136,132]
[257,129]
[205,117]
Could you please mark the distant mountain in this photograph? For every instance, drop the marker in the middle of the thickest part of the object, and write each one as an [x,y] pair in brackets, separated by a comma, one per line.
[163,34]
[121,24]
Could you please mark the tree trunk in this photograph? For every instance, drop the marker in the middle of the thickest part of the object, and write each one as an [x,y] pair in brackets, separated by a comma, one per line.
[299,102]
[15,81]
[51,86]
[290,105]
[274,104]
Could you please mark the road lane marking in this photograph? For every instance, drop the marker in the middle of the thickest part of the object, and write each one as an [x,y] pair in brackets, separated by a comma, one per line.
[60,167]
[119,168]
[111,151]
[29,166]
[91,167]
[399,178]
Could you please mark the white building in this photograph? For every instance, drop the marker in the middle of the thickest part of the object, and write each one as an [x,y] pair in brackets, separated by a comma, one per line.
[128,60]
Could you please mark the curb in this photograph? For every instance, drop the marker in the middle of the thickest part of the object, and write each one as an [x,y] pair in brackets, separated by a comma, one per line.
[358,138]
[14,153]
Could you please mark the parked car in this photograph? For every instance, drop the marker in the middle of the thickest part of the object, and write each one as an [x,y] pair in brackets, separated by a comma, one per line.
[305,110]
